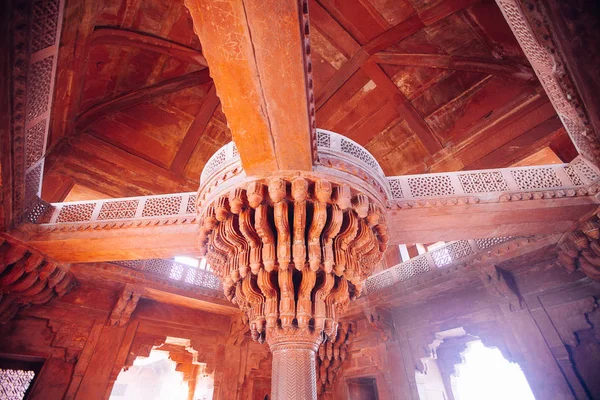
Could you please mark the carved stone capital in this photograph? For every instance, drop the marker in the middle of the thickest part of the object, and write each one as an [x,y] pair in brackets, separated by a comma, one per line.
[293,338]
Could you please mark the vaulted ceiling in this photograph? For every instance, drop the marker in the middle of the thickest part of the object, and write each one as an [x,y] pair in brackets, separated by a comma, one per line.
[424,85]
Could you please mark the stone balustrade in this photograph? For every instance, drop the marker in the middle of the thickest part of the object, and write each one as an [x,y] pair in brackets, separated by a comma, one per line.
[458,251]
[176,271]
[122,209]
[496,184]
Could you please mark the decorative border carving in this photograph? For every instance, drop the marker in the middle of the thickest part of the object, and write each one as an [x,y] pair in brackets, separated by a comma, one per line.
[142,277]
[36,25]
[578,178]
[451,256]
[531,27]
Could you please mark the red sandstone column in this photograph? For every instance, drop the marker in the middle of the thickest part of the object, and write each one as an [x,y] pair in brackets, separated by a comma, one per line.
[294,364]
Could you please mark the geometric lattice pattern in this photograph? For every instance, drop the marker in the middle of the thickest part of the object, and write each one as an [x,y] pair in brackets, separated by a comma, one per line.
[38,93]
[76,212]
[481,182]
[428,186]
[176,271]
[395,188]
[118,209]
[33,182]
[414,266]
[358,152]
[45,23]
[191,204]
[379,281]
[202,278]
[536,178]
[158,266]
[451,252]
[14,383]
[215,162]
[39,213]
[168,268]
[133,264]
[486,243]
[159,206]
[323,139]
[585,170]
[573,177]
[535,53]
[34,143]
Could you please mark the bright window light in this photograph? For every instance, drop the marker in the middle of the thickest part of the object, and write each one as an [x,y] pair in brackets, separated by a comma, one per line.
[204,265]
[436,246]
[189,261]
[486,374]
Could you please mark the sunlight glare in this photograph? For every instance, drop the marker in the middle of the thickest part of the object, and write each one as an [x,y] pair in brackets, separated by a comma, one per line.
[486,374]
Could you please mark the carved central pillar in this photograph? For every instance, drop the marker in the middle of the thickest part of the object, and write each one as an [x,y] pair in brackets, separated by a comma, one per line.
[292,249]
[294,363]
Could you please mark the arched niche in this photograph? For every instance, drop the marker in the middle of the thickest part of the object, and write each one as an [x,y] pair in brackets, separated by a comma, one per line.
[444,352]
[172,365]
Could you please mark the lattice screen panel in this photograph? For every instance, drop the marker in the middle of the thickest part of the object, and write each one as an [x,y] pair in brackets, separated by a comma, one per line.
[14,383]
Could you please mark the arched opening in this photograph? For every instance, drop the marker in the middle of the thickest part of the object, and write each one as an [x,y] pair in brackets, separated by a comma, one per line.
[486,374]
[461,367]
[170,371]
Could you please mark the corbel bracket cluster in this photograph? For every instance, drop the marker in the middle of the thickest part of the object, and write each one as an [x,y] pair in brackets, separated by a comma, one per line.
[27,277]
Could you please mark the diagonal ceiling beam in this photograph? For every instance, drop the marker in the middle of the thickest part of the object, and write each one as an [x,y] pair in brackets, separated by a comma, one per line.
[490,67]
[138,96]
[139,40]
[258,53]
[362,58]
[362,53]
[196,130]
[414,120]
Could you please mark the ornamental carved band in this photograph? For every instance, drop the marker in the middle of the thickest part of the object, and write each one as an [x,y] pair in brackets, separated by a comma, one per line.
[292,252]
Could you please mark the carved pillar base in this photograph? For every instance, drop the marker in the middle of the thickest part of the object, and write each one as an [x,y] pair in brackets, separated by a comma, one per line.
[294,363]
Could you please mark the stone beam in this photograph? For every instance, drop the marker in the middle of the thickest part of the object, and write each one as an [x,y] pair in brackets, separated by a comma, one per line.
[114,242]
[259,57]
[140,237]
[484,220]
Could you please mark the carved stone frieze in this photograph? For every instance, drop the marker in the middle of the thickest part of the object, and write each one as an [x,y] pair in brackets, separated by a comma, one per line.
[530,24]
[28,277]
[35,27]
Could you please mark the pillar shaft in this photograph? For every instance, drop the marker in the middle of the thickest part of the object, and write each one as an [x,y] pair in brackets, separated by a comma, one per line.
[294,372]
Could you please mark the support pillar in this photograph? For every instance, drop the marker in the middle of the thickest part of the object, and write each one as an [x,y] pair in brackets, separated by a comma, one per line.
[294,373]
